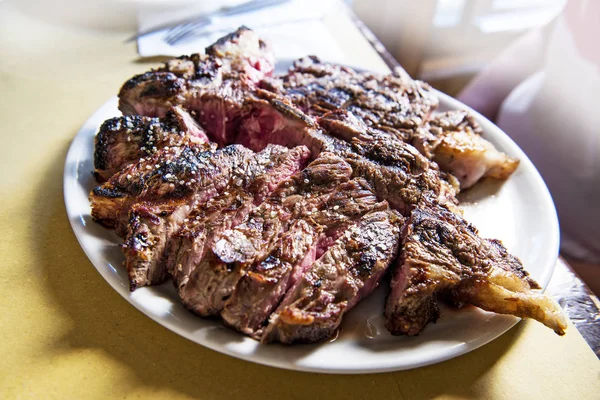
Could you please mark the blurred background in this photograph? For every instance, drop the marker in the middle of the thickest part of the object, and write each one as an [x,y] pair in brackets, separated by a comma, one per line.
[446,42]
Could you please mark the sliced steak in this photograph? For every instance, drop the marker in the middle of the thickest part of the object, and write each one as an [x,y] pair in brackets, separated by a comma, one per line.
[152,225]
[215,276]
[241,237]
[348,271]
[275,164]
[190,245]
[245,53]
[213,85]
[229,209]
[148,220]
[443,257]
[391,103]
[215,99]
[397,171]
[262,287]
[244,234]
[269,118]
[266,281]
[453,140]
[124,140]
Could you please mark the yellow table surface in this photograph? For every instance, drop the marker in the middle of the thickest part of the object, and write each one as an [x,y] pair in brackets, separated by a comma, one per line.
[64,333]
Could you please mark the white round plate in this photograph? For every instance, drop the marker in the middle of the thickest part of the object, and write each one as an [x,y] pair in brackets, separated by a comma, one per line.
[519,211]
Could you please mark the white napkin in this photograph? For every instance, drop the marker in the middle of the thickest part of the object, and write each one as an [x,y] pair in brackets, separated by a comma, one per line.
[294,29]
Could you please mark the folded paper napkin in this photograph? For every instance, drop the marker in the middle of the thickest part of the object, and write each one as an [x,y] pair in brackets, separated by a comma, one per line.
[294,29]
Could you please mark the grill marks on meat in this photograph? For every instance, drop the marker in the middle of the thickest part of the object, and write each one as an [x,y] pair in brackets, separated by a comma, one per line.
[173,173]
[396,106]
[266,281]
[453,140]
[348,271]
[209,92]
[124,140]
[320,177]
[229,209]
[391,103]
[213,85]
[276,163]
[261,288]
[153,93]
[153,225]
[214,278]
[398,172]
[443,257]
[191,244]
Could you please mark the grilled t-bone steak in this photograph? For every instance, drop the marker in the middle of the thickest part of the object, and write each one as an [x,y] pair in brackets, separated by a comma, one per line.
[453,140]
[124,140]
[213,85]
[213,279]
[282,254]
[262,287]
[230,208]
[348,271]
[443,257]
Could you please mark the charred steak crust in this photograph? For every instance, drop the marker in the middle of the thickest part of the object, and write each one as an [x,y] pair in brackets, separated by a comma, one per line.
[136,124]
[153,224]
[390,103]
[213,85]
[123,140]
[148,222]
[149,229]
[395,169]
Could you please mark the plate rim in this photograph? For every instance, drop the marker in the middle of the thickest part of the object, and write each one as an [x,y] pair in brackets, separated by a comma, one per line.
[78,225]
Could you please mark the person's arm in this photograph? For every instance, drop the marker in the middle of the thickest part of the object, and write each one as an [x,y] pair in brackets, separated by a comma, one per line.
[486,92]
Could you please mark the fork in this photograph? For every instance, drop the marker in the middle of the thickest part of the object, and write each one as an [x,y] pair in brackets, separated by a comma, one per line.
[180,32]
